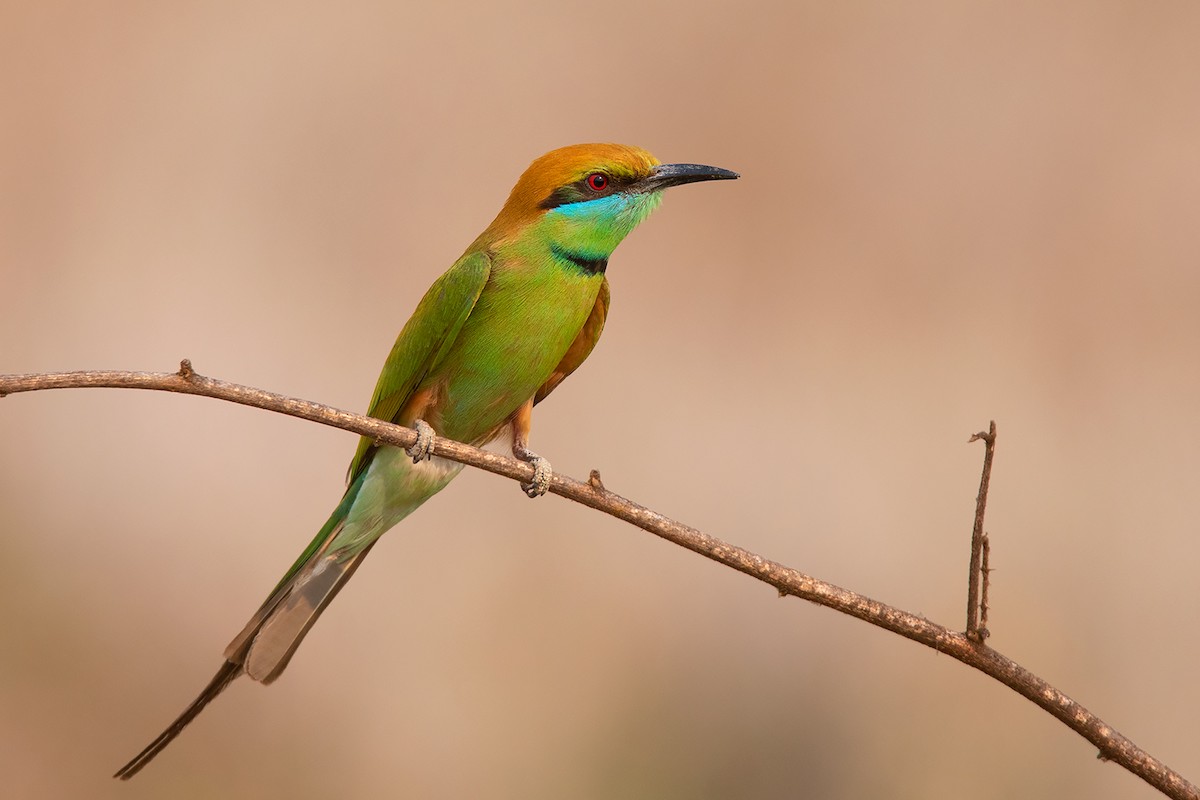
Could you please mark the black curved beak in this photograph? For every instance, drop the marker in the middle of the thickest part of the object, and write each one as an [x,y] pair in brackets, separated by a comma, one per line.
[665,175]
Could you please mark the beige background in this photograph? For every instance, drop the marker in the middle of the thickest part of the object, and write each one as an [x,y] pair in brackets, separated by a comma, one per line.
[950,212]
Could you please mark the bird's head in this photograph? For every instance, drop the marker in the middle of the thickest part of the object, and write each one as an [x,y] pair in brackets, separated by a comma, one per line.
[586,198]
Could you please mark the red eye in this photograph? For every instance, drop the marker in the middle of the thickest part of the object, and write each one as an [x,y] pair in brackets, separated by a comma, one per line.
[597,181]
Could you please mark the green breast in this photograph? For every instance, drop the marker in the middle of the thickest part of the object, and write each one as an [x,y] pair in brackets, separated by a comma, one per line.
[526,318]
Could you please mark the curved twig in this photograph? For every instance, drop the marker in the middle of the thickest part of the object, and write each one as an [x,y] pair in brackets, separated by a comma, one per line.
[1112,745]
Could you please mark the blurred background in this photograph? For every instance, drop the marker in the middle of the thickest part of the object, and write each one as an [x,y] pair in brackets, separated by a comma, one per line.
[949,213]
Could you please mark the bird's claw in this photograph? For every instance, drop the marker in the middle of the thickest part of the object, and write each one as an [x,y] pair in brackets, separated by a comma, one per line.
[422,448]
[542,473]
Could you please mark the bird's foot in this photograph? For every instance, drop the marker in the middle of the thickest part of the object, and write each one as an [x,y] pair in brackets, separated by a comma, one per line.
[542,471]
[422,448]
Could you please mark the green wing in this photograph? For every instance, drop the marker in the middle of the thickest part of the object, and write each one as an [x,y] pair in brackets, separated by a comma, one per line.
[423,342]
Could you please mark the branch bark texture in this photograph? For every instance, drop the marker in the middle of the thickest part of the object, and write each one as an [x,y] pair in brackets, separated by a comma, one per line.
[1112,745]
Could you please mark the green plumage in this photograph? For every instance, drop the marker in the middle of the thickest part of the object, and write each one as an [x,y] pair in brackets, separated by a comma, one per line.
[504,326]
[425,339]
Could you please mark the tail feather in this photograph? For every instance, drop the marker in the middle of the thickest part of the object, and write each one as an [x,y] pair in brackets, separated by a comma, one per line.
[266,644]
[225,676]
[288,623]
[238,649]
[304,585]
[270,638]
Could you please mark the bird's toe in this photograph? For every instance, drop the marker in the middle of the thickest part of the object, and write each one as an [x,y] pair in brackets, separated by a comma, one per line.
[542,473]
[422,448]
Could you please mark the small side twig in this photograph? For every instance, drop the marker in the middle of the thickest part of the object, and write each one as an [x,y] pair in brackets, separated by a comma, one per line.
[978,572]
[985,572]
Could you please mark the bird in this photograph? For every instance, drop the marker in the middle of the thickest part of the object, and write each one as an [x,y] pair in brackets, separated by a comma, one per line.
[510,320]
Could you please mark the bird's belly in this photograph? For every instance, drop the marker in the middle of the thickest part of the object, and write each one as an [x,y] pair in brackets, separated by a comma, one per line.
[393,488]
[511,343]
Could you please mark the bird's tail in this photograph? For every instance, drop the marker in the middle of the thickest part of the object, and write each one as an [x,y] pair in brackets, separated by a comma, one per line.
[267,642]
[223,678]
[270,638]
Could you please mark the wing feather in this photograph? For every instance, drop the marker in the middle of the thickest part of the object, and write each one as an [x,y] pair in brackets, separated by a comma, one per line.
[423,342]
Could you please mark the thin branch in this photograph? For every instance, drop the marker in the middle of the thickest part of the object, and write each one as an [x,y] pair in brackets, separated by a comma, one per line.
[974,632]
[986,572]
[1112,745]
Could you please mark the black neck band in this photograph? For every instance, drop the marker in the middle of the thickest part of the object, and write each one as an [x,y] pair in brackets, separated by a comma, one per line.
[592,266]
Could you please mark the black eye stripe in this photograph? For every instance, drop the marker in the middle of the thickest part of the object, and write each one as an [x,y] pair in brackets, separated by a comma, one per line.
[580,190]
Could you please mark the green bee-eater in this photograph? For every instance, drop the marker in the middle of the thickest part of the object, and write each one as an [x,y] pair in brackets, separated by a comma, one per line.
[492,337]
